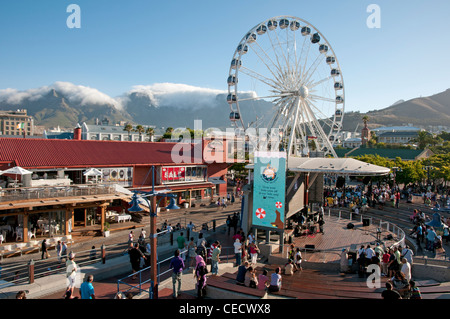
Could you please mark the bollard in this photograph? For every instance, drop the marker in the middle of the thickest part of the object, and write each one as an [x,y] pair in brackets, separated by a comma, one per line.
[31,271]
[103,249]
[214,225]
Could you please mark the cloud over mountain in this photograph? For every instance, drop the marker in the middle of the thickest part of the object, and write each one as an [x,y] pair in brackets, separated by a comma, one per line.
[78,94]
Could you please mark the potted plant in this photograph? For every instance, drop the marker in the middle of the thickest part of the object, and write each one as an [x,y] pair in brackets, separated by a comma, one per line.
[106,229]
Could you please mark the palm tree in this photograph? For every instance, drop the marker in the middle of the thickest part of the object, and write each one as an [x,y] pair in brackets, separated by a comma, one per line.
[129,128]
[140,129]
[150,132]
[365,119]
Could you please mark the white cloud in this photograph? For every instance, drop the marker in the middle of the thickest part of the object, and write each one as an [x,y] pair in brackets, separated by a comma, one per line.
[182,96]
[74,93]
[177,95]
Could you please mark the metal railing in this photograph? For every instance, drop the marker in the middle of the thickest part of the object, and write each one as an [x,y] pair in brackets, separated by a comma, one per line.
[42,192]
[390,227]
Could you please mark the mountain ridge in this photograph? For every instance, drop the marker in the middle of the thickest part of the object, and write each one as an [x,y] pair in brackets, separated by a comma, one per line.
[65,105]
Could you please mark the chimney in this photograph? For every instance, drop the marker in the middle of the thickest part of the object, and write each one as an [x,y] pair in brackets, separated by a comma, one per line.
[77,133]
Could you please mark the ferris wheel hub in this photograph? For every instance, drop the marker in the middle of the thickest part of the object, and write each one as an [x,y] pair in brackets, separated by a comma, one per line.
[303,92]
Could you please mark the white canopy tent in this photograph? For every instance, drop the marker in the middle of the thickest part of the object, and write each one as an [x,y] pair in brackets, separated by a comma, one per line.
[343,166]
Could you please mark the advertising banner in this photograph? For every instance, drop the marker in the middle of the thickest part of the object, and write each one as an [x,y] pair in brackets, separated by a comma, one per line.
[269,189]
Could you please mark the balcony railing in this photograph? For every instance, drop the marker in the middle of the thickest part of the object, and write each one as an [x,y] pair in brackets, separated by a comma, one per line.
[45,192]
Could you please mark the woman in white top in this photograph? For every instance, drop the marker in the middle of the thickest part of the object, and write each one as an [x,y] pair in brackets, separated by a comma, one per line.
[298,259]
[275,281]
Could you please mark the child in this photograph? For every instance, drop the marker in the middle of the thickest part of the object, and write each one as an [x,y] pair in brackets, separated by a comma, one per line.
[415,292]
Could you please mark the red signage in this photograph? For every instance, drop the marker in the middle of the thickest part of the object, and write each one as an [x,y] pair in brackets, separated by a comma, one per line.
[173,173]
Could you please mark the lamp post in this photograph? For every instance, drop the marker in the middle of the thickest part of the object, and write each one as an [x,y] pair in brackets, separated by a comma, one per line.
[428,168]
[153,206]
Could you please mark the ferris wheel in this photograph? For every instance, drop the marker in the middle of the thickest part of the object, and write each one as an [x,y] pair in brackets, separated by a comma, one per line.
[285,76]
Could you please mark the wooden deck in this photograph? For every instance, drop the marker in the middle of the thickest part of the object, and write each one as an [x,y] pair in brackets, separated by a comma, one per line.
[314,284]
[336,236]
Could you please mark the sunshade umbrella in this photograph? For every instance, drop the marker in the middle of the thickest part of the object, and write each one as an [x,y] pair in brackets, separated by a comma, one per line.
[92,172]
[16,170]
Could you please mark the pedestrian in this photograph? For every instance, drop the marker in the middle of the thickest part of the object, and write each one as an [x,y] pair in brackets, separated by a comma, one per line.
[181,242]
[414,291]
[251,238]
[298,260]
[234,222]
[321,223]
[240,277]
[431,236]
[191,253]
[64,250]
[389,293]
[71,272]
[275,281]
[130,237]
[393,265]
[238,251]
[250,278]
[135,259]
[419,234]
[58,250]
[263,280]
[229,223]
[215,259]
[385,262]
[143,233]
[408,254]
[254,250]
[44,250]
[200,274]
[406,269]
[21,295]
[87,288]
[177,266]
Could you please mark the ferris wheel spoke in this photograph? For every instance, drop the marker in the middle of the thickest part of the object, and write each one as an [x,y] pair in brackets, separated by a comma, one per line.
[323,136]
[312,85]
[259,77]
[263,97]
[323,116]
[275,52]
[263,52]
[312,68]
[282,51]
[303,70]
[280,110]
[318,97]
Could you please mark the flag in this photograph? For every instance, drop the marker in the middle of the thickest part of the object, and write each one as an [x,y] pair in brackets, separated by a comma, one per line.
[20,125]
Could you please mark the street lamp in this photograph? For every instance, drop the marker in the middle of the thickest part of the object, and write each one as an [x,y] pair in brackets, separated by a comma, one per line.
[153,233]
[428,168]
[394,174]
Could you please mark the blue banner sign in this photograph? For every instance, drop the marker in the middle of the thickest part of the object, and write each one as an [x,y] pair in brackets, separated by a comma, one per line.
[269,187]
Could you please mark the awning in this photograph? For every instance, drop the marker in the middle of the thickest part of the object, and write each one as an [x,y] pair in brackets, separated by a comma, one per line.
[216,180]
[340,166]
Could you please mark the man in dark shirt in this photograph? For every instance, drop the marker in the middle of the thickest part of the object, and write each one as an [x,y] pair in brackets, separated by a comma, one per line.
[177,264]
[389,293]
[240,278]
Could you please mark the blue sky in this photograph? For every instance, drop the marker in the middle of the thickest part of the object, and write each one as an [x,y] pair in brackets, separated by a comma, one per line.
[125,43]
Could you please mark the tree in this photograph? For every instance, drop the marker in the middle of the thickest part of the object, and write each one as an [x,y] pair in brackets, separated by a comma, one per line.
[150,131]
[129,128]
[140,129]
[424,139]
